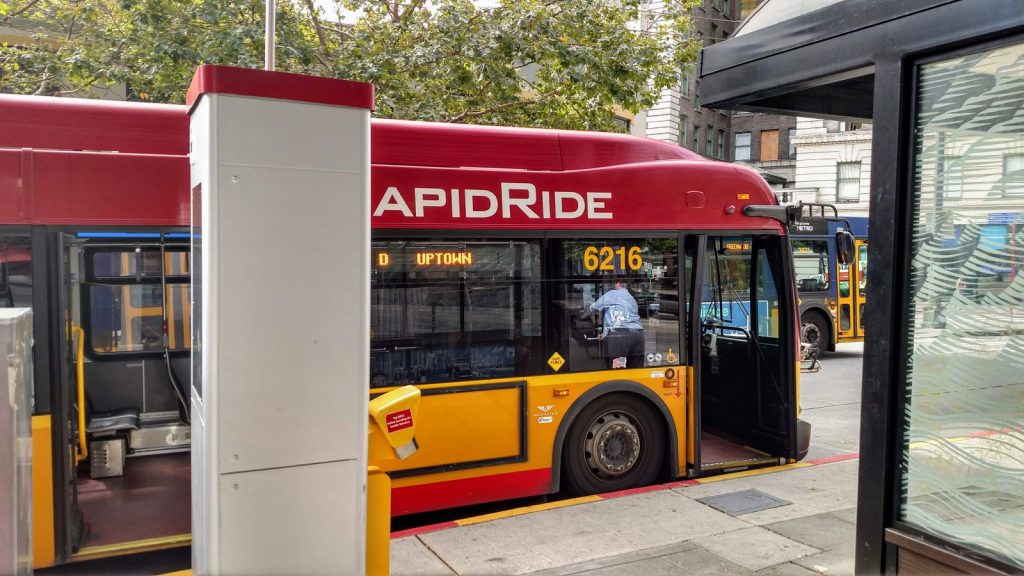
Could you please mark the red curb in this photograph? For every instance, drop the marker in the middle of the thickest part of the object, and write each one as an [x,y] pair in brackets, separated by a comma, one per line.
[619,494]
[831,459]
[423,529]
[632,491]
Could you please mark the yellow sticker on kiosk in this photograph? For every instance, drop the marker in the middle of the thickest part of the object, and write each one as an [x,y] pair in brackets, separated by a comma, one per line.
[556,361]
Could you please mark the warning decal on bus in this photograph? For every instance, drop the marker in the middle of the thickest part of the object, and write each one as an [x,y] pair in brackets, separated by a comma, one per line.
[556,361]
[399,420]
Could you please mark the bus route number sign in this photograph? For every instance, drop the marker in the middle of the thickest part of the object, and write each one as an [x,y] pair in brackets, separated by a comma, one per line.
[608,258]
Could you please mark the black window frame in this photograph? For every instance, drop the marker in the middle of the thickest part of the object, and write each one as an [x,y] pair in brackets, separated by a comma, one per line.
[89,279]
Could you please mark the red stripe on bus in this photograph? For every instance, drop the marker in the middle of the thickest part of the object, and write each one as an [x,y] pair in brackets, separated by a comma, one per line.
[467,491]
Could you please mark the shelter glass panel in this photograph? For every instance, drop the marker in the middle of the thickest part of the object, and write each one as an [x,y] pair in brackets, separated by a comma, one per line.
[963,437]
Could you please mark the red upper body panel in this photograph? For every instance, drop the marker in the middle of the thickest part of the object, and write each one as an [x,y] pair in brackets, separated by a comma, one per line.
[88,162]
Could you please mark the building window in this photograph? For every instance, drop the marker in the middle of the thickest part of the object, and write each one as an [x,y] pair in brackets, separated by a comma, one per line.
[1013,174]
[721,144]
[792,145]
[727,8]
[951,181]
[683,126]
[714,35]
[696,138]
[684,84]
[848,182]
[709,149]
[696,95]
[769,145]
[624,123]
[741,146]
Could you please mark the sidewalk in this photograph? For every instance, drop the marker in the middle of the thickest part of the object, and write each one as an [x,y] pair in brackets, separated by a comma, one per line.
[662,530]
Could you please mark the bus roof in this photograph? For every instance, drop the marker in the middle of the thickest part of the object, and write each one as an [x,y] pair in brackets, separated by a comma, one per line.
[138,128]
[77,161]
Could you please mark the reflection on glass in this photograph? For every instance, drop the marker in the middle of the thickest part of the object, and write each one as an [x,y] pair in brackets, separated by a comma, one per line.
[963,457]
[725,295]
[138,263]
[15,271]
[129,318]
[453,310]
[646,269]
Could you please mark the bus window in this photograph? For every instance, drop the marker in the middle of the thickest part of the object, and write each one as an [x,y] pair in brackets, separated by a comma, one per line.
[726,291]
[767,299]
[862,269]
[125,292]
[844,280]
[444,310]
[586,270]
[15,271]
[810,262]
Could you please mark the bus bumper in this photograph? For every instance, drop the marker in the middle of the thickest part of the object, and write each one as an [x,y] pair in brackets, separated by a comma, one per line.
[803,438]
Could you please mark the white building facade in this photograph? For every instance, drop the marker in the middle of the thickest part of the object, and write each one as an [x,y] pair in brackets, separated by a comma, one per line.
[833,165]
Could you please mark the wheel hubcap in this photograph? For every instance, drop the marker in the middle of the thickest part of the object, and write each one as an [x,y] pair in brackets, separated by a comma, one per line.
[613,445]
[810,334]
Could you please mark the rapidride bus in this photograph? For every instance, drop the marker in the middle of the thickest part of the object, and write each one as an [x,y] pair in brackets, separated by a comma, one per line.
[493,250]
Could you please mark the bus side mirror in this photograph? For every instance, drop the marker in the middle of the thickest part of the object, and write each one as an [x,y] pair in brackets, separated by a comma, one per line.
[844,247]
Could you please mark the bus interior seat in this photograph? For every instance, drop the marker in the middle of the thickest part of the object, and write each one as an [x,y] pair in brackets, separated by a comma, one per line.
[109,434]
[110,423]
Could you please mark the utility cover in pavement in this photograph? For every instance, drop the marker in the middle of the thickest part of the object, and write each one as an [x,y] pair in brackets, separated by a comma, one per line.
[743,502]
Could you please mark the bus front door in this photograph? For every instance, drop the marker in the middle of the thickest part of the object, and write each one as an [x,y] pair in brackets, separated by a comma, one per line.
[66,406]
[744,390]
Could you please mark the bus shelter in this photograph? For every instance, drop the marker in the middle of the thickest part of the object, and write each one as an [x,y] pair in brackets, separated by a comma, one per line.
[942,81]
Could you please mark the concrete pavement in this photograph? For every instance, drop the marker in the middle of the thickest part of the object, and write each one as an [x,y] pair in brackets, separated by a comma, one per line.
[659,530]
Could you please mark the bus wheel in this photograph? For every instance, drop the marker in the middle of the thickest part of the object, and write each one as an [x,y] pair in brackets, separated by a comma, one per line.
[814,331]
[616,442]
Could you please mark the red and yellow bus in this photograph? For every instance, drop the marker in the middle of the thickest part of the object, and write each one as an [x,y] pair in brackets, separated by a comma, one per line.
[490,246]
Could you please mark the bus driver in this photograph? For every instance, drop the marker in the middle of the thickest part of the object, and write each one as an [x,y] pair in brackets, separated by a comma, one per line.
[622,335]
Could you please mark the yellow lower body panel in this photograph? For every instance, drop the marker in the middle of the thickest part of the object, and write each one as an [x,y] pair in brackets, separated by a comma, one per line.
[42,492]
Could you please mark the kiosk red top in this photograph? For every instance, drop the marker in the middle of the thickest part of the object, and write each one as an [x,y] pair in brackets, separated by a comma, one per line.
[212,79]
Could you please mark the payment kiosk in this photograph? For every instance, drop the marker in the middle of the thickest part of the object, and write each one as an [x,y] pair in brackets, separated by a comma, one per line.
[280,217]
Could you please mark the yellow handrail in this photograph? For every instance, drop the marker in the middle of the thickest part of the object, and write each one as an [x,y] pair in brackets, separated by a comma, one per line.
[83,449]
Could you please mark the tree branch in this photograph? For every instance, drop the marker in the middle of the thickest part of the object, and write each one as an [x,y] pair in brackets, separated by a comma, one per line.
[78,88]
[42,85]
[410,8]
[339,32]
[19,11]
[319,31]
[475,113]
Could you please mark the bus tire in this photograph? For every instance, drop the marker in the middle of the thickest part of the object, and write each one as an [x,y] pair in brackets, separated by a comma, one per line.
[814,330]
[616,442]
